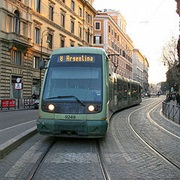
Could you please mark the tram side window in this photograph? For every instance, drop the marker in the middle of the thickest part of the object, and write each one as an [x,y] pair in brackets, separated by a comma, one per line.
[129,89]
[134,90]
[119,89]
[125,91]
[139,90]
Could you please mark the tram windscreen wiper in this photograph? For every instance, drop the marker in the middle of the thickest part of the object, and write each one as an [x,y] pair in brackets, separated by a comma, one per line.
[60,97]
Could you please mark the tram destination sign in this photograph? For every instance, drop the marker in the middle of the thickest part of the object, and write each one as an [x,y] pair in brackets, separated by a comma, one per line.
[76,58]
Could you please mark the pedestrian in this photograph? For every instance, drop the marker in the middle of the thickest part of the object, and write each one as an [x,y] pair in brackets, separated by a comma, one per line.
[178,99]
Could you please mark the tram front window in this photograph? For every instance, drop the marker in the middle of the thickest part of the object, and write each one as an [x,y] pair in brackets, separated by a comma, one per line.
[82,80]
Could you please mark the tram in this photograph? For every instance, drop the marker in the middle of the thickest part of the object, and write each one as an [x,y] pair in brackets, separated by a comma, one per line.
[80,93]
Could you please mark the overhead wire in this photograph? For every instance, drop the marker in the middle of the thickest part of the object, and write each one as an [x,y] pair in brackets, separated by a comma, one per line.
[153,13]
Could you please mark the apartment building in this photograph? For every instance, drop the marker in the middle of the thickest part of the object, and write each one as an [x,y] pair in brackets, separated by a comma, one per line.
[110,34]
[145,84]
[140,69]
[30,30]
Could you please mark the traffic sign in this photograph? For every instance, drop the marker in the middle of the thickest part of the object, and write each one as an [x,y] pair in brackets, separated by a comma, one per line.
[18,86]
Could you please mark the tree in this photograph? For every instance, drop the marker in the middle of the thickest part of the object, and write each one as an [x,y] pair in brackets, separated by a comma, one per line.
[169,53]
[164,87]
[170,59]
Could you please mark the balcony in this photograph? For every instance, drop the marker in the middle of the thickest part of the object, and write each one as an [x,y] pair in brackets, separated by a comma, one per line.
[18,40]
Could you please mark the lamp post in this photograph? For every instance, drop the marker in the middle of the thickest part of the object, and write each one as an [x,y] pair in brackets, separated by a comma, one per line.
[42,35]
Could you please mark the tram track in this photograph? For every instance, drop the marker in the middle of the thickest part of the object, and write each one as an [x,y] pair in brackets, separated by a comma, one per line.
[102,162]
[38,163]
[147,141]
[33,174]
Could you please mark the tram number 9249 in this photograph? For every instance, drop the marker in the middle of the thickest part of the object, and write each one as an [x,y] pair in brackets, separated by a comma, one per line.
[70,117]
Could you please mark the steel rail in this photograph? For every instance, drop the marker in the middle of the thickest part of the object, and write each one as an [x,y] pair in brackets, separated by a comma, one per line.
[101,160]
[149,144]
[38,163]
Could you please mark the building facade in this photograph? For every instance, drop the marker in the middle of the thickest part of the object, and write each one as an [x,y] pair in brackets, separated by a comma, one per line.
[30,30]
[145,84]
[140,69]
[110,34]
[138,59]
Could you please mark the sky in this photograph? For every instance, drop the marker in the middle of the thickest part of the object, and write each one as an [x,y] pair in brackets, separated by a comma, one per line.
[150,25]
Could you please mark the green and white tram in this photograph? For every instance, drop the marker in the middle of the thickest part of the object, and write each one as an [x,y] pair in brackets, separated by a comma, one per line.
[79,93]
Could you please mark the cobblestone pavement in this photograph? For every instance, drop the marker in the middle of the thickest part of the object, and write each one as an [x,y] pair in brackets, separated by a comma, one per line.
[127,157]
[164,141]
[68,159]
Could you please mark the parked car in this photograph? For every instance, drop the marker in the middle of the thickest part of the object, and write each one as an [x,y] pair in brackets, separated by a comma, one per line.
[36,104]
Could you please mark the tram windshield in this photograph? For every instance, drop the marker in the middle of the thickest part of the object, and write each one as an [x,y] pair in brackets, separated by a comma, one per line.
[74,75]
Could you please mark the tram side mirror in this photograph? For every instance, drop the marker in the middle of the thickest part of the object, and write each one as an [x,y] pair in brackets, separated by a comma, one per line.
[42,64]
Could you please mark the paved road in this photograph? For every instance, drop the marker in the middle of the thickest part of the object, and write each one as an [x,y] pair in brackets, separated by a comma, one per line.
[12,118]
[15,127]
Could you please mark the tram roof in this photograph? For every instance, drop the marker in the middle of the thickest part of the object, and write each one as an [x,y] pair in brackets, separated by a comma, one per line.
[126,79]
[81,49]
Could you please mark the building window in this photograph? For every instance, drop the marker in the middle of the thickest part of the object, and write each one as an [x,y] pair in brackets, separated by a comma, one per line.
[17,22]
[51,12]
[72,5]
[50,39]
[24,28]
[37,35]
[71,43]
[88,18]
[37,5]
[97,40]
[62,41]
[115,35]
[36,62]
[80,12]
[88,35]
[80,31]
[97,25]
[63,19]
[109,29]
[72,26]
[17,57]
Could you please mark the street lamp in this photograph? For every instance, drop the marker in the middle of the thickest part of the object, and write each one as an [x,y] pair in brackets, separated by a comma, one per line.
[42,35]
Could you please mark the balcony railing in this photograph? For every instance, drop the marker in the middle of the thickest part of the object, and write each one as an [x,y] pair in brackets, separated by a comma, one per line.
[13,37]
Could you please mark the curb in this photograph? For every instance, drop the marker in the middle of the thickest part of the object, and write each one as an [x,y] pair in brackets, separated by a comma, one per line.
[13,143]
[10,110]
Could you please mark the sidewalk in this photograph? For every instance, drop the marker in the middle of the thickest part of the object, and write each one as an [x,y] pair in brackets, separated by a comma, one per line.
[16,109]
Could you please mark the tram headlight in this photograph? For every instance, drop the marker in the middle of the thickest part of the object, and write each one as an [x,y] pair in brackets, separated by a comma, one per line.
[51,107]
[91,108]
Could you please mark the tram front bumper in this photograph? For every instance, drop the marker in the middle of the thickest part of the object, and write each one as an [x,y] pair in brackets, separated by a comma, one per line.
[77,128]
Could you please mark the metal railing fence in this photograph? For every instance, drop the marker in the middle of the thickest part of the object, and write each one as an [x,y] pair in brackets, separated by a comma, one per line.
[171,111]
